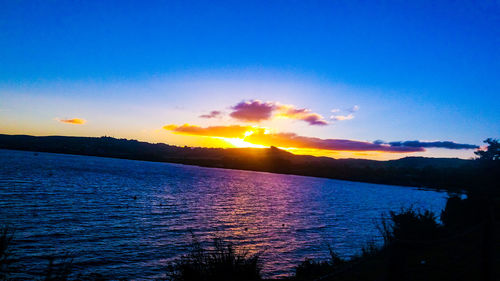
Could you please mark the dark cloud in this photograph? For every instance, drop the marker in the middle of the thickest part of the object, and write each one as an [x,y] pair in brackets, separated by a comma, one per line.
[253,111]
[433,144]
[297,141]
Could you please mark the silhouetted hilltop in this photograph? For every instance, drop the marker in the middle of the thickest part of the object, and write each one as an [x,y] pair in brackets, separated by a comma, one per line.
[450,173]
[421,162]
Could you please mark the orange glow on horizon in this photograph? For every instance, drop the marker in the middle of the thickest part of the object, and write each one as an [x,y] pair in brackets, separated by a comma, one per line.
[238,136]
[340,154]
[221,142]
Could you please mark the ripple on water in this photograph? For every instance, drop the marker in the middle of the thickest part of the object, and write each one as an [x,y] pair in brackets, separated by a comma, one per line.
[127,218]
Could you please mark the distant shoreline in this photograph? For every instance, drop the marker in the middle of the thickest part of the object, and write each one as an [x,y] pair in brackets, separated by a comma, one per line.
[208,167]
[419,172]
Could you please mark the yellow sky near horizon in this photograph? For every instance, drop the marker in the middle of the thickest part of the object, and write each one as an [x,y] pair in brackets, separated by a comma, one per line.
[332,133]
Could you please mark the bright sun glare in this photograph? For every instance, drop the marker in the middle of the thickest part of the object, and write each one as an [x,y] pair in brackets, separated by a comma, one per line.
[240,142]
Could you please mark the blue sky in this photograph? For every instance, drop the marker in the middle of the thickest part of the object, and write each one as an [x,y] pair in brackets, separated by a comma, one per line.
[423,70]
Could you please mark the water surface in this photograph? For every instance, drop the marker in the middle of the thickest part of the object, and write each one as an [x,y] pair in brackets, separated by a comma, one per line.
[125,218]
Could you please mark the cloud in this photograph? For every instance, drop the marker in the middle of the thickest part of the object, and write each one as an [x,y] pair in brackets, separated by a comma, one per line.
[289,140]
[233,131]
[354,109]
[289,111]
[212,114]
[342,117]
[314,119]
[253,111]
[433,144]
[74,121]
[261,136]
[257,111]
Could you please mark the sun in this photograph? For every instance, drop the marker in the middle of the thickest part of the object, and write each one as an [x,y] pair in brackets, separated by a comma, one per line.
[240,143]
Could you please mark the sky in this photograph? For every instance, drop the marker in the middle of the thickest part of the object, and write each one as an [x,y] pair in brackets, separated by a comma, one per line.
[362,79]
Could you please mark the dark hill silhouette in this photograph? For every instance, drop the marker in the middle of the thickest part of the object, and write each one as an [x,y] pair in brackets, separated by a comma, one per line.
[449,173]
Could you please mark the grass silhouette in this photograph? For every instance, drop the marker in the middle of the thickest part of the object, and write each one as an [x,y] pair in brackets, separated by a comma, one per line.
[220,262]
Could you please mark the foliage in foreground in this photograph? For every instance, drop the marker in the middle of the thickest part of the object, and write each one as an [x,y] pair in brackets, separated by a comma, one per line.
[417,247]
[311,269]
[410,225]
[221,262]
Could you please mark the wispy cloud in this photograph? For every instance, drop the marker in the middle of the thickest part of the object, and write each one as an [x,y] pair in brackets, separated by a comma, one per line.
[257,111]
[212,114]
[354,109]
[342,117]
[74,121]
[290,111]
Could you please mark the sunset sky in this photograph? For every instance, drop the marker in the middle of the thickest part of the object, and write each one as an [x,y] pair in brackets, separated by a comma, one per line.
[378,80]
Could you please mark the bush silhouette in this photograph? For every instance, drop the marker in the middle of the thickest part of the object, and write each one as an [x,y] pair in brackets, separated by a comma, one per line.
[220,263]
[411,225]
[310,269]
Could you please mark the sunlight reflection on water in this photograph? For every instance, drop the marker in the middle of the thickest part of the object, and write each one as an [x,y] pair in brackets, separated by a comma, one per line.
[85,205]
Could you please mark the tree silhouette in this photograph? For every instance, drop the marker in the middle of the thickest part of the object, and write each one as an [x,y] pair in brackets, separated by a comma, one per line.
[492,152]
